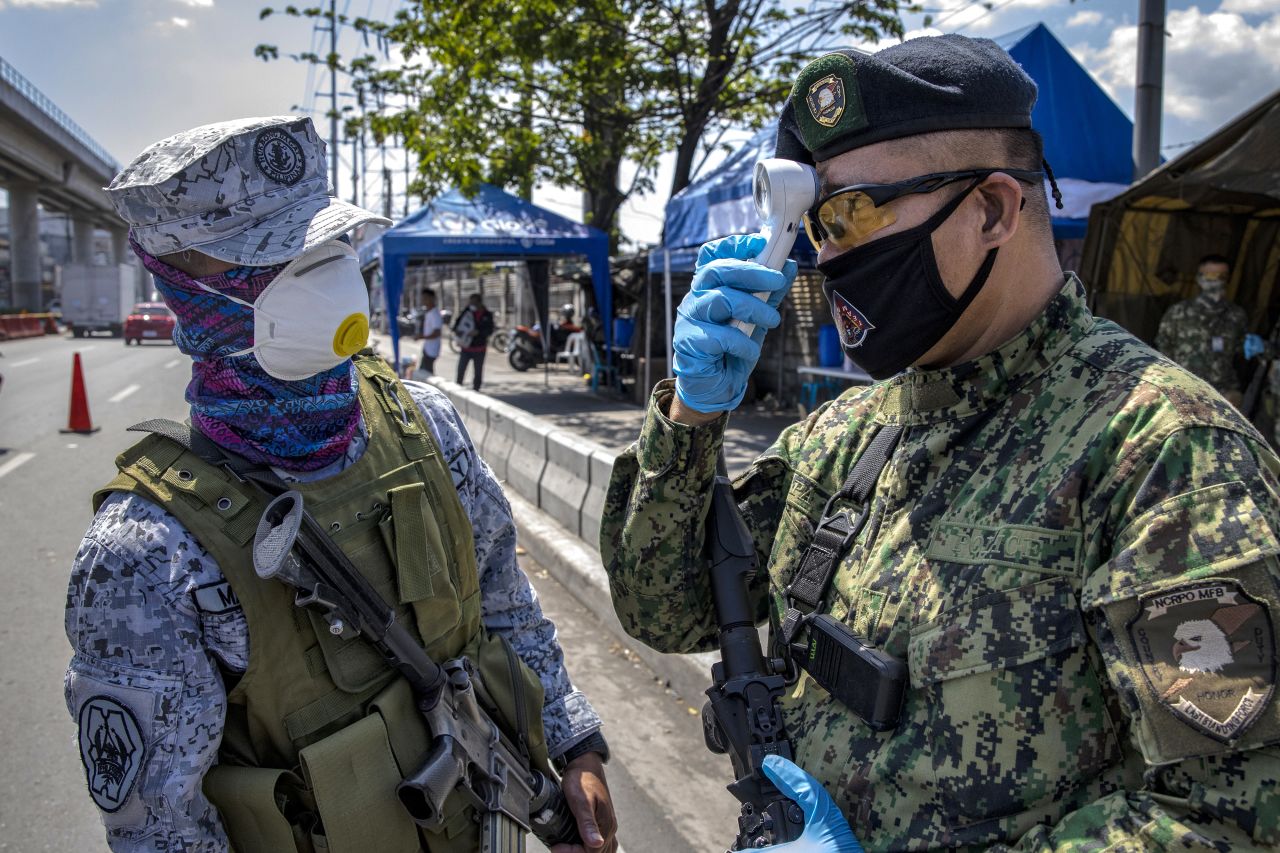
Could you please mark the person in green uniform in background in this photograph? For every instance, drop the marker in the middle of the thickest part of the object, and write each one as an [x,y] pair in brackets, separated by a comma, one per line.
[1206,334]
[1072,546]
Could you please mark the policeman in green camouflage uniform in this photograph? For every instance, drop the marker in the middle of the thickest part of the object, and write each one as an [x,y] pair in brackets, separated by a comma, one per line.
[1073,546]
[1205,334]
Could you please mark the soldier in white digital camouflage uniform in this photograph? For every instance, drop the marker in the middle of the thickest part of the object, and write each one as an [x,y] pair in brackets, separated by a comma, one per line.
[174,708]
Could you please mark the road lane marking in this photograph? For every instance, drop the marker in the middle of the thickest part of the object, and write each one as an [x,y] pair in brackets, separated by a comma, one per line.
[15,462]
[24,362]
[174,363]
[89,347]
[120,395]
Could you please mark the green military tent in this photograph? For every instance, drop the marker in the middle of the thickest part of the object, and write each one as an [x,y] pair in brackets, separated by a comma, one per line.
[1220,197]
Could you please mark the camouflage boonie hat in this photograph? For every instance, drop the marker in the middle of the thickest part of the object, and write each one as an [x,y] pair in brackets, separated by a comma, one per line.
[251,191]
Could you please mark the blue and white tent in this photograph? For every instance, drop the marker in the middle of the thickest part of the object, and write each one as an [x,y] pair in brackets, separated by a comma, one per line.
[1088,142]
[491,226]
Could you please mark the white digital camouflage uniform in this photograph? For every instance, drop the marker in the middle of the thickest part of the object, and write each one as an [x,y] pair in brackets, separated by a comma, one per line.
[144,614]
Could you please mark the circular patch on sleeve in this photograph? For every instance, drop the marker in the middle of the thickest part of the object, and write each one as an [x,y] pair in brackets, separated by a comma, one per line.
[112,749]
[1208,652]
[279,156]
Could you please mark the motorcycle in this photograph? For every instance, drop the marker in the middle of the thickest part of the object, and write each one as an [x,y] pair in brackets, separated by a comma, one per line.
[526,343]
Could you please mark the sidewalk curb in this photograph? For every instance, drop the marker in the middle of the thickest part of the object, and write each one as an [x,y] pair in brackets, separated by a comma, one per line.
[579,569]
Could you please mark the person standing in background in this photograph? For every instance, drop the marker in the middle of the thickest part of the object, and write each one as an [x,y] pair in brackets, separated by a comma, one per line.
[474,326]
[432,328]
[1204,334]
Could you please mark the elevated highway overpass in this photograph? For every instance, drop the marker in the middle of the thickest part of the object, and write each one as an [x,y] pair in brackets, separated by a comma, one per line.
[48,160]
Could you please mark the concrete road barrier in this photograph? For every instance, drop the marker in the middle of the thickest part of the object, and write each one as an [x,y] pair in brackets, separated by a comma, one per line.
[528,456]
[601,467]
[565,479]
[475,414]
[500,438]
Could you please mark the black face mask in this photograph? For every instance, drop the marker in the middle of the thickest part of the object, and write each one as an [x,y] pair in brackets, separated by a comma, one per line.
[888,299]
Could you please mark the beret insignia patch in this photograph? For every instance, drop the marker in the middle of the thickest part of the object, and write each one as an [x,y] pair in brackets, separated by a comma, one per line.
[111,748]
[279,156]
[1208,652]
[852,324]
[826,100]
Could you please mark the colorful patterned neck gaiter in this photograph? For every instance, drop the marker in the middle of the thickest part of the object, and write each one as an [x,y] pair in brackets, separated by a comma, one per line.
[297,426]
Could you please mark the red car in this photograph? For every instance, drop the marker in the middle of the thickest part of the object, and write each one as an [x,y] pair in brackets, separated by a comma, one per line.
[148,321]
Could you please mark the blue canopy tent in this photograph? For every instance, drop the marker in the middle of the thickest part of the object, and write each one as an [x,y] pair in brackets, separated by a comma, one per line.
[492,226]
[1088,142]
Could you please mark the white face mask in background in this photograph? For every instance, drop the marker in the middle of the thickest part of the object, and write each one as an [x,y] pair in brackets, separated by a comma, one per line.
[312,317]
[1212,289]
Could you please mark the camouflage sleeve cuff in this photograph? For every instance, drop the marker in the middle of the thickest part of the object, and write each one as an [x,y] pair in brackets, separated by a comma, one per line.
[666,447]
[570,720]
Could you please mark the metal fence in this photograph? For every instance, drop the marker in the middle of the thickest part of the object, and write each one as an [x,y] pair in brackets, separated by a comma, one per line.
[10,75]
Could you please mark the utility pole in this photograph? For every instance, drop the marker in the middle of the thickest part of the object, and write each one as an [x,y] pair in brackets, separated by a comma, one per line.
[333,93]
[1149,91]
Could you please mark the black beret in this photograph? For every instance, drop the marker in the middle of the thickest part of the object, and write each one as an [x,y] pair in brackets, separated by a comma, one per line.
[849,99]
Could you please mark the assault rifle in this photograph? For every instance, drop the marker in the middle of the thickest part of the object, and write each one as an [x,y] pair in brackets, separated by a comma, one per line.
[742,717]
[469,754]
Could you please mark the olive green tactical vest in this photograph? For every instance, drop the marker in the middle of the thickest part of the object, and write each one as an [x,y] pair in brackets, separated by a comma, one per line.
[319,731]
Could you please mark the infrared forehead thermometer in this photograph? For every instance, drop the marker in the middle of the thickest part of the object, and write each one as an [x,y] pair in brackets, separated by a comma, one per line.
[783,190]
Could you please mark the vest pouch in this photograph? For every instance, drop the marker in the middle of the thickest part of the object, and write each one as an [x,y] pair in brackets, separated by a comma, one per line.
[355,665]
[264,809]
[513,691]
[410,743]
[422,579]
[353,776]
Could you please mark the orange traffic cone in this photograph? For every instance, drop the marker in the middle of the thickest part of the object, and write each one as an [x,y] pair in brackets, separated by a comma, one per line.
[79,421]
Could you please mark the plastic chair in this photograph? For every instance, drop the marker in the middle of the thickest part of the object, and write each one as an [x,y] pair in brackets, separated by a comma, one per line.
[572,352]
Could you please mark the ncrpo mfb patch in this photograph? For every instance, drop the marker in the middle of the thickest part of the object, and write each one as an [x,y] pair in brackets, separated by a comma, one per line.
[1208,651]
[112,749]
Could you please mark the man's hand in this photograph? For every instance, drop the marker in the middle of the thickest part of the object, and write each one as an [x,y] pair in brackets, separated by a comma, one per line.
[712,358]
[587,794]
[825,829]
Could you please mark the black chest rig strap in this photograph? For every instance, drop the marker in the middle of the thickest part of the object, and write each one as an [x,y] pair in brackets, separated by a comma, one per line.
[835,532]
[866,680]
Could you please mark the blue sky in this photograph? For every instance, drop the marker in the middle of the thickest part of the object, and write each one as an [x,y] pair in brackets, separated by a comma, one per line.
[133,71]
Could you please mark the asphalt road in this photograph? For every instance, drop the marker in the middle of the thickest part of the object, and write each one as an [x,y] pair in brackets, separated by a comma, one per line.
[668,789]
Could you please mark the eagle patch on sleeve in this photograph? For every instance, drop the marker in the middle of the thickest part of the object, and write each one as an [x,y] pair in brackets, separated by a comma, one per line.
[112,749]
[1207,650]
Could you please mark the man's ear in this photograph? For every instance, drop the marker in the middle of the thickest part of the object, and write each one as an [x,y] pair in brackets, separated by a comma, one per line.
[1002,201]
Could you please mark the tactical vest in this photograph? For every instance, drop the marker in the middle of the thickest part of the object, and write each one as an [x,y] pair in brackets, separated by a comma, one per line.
[319,731]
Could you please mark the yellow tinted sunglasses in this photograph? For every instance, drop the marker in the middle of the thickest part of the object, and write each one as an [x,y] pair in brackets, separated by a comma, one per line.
[851,214]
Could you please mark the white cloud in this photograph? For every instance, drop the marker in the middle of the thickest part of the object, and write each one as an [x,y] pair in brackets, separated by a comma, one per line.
[174,23]
[1084,19]
[47,3]
[1217,64]
[1250,7]
[196,4]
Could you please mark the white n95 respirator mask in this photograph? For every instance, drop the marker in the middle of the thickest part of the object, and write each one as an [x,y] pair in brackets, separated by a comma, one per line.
[312,317]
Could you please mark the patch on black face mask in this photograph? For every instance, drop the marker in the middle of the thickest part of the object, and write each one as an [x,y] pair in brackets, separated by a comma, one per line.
[852,323]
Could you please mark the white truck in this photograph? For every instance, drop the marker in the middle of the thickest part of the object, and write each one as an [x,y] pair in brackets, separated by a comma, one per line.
[98,298]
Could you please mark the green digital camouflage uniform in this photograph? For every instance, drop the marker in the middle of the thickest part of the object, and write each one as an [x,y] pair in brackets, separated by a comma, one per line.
[1205,336]
[1074,549]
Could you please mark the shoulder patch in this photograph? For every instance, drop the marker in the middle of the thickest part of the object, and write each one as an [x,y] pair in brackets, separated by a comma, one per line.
[1207,649]
[112,749]
[215,598]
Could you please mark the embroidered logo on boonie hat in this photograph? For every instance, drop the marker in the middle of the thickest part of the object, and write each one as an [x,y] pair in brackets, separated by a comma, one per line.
[253,191]
[279,156]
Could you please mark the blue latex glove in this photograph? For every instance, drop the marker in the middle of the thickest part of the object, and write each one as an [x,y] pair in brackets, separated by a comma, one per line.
[825,829]
[1254,345]
[713,359]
